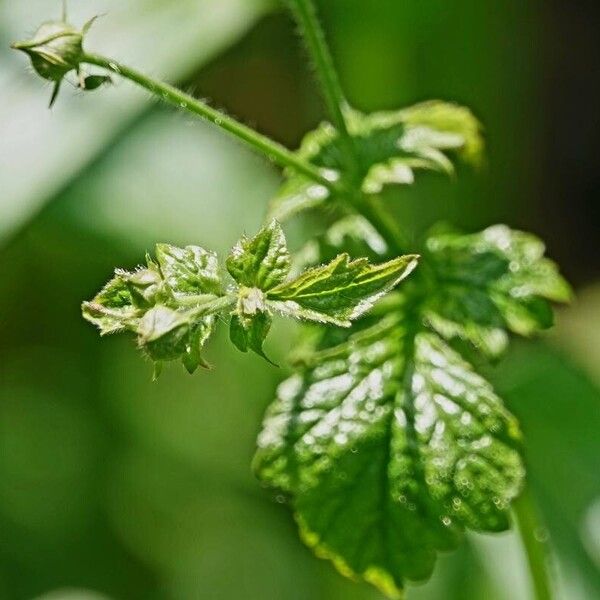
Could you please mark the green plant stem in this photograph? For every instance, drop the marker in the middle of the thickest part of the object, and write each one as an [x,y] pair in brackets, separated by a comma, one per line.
[535,547]
[276,152]
[371,208]
[170,94]
[306,16]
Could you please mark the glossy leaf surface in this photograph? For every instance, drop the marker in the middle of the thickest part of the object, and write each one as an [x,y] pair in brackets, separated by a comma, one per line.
[492,282]
[390,445]
[386,439]
[341,291]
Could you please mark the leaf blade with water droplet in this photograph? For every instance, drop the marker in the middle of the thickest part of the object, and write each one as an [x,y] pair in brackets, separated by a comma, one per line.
[381,447]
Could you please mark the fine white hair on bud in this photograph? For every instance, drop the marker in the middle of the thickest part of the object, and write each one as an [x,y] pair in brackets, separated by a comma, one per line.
[55,49]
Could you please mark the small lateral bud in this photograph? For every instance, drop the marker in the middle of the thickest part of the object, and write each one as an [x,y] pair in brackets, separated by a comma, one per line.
[164,333]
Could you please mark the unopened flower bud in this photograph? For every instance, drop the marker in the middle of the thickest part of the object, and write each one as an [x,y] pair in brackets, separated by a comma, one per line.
[164,333]
[146,287]
[56,49]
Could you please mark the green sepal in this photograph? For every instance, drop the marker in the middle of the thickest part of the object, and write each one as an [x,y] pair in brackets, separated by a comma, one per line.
[93,82]
[146,287]
[157,369]
[112,309]
[192,359]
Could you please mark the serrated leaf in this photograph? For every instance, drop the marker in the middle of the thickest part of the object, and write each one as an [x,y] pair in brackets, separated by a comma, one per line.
[387,441]
[340,291]
[112,309]
[489,282]
[390,147]
[390,445]
[469,314]
[250,332]
[262,261]
[189,271]
[352,234]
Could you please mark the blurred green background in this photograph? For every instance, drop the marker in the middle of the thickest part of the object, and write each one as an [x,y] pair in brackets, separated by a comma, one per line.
[114,487]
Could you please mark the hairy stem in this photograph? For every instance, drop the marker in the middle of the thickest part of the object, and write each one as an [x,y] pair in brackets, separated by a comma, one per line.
[306,16]
[170,94]
[535,547]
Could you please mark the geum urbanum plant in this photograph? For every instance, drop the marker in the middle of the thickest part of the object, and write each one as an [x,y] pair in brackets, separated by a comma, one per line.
[386,439]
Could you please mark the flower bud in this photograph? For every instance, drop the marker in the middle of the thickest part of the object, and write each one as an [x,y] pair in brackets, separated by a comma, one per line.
[164,333]
[56,49]
[146,287]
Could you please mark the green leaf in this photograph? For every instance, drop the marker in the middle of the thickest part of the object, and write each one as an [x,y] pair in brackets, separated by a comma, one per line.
[449,118]
[190,270]
[250,332]
[112,309]
[386,439]
[491,282]
[469,314]
[352,234]
[390,445]
[340,291]
[262,261]
[390,147]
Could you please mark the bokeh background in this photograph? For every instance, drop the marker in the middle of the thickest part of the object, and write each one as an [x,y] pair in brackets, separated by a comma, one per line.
[114,487]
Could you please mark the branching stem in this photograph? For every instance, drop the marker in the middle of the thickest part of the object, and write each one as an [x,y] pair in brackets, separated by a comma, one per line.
[534,545]
[273,150]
